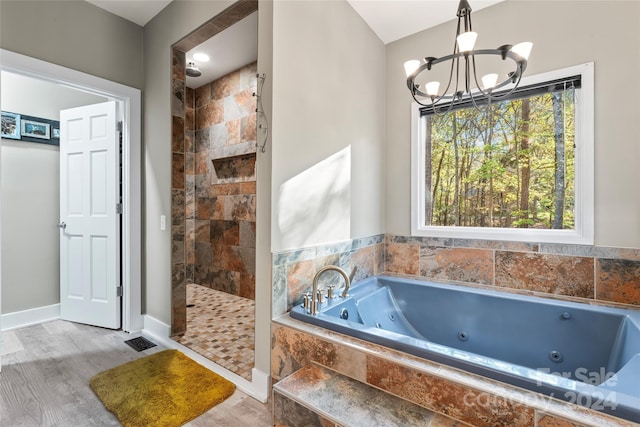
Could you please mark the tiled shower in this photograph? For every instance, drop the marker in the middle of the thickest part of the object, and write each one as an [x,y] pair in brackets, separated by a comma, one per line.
[214,215]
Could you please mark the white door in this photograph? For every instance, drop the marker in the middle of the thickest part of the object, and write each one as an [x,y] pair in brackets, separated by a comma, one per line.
[89,220]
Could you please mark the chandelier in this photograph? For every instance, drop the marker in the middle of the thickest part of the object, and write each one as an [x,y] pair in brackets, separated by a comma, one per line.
[463,59]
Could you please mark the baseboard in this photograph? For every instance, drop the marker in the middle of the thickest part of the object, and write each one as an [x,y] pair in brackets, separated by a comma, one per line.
[33,316]
[258,388]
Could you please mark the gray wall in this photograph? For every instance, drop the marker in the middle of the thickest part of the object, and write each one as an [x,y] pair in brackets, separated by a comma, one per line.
[74,34]
[328,125]
[30,196]
[171,25]
[564,33]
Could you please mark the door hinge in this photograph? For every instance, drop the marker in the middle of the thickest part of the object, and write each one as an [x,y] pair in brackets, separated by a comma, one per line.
[119,208]
[119,127]
[119,291]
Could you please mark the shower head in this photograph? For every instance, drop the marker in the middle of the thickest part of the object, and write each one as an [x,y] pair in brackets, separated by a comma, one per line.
[192,70]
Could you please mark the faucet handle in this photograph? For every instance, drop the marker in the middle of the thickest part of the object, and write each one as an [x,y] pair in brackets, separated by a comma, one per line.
[320,295]
[330,294]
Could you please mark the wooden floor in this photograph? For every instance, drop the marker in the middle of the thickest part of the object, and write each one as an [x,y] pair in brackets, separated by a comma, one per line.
[45,379]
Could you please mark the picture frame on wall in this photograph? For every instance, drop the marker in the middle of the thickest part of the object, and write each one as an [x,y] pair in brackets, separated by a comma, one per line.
[34,129]
[10,124]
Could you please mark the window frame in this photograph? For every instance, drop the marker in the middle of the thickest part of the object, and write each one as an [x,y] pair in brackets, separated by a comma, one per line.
[583,233]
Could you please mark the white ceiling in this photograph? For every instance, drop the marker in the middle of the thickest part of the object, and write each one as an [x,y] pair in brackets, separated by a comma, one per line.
[136,11]
[394,19]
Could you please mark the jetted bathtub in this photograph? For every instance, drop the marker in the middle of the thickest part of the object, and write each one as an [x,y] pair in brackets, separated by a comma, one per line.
[584,354]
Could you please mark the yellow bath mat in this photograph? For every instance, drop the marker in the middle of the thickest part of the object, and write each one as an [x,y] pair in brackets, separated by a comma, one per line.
[164,389]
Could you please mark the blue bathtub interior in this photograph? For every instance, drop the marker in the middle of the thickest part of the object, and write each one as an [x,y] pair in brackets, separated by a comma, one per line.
[585,354]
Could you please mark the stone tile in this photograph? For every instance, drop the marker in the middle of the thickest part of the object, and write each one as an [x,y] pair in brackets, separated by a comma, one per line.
[218,136]
[202,231]
[231,233]
[178,64]
[278,290]
[292,349]
[364,259]
[402,258]
[217,232]
[224,280]
[202,95]
[189,119]
[177,207]
[240,207]
[247,286]
[350,402]
[177,176]
[225,85]
[441,421]
[233,131]
[177,134]
[190,141]
[495,244]
[235,169]
[177,98]
[545,420]
[247,234]
[190,98]
[554,274]
[203,208]
[449,398]
[299,280]
[202,163]
[248,78]
[288,413]
[210,114]
[177,245]
[190,243]
[217,207]
[226,339]
[202,140]
[592,251]
[248,258]
[618,281]
[204,254]
[189,164]
[248,128]
[190,195]
[245,101]
[202,185]
[459,264]
[179,304]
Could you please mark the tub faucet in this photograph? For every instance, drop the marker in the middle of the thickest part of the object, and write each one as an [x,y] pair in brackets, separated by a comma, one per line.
[314,292]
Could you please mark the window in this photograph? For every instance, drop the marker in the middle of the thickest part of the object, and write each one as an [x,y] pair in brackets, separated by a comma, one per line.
[519,169]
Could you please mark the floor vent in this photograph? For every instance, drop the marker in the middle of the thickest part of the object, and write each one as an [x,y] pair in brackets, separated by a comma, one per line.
[139,344]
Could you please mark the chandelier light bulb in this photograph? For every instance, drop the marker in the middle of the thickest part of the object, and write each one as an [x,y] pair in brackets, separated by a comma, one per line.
[489,81]
[411,66]
[522,49]
[431,88]
[466,41]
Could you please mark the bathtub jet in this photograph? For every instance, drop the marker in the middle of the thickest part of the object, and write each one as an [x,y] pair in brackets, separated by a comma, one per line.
[585,354]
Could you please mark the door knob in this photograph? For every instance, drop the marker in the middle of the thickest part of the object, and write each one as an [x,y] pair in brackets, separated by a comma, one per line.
[62,225]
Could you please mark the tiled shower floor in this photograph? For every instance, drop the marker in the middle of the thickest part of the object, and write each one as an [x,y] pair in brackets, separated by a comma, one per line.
[220,327]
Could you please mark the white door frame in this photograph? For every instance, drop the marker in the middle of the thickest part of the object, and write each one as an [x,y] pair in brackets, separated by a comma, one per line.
[129,100]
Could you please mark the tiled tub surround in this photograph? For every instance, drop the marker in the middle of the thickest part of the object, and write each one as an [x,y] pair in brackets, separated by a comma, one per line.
[608,276]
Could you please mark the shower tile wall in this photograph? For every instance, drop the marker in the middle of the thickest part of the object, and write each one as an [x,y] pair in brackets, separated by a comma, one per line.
[179,190]
[223,171]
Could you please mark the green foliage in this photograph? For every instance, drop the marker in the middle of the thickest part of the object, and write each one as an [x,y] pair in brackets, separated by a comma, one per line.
[479,160]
